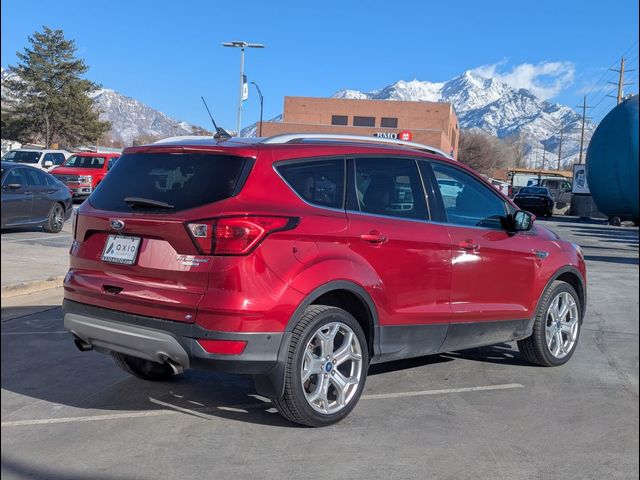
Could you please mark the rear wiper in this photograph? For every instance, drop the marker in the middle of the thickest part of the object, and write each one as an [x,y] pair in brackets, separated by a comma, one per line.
[134,202]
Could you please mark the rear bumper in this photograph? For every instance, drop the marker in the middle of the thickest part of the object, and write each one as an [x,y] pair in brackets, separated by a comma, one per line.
[159,340]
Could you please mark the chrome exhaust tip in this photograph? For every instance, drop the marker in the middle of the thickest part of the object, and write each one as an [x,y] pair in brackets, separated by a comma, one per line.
[175,368]
[82,345]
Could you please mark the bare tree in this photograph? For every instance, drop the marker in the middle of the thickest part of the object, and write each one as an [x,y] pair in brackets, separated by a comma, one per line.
[486,153]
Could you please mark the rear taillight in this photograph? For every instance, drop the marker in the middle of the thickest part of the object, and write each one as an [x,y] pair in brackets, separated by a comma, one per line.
[236,235]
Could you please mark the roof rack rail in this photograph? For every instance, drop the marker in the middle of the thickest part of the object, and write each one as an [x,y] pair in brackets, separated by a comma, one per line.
[181,138]
[300,137]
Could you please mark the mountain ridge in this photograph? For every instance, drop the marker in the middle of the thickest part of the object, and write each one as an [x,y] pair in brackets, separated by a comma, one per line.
[130,118]
[491,106]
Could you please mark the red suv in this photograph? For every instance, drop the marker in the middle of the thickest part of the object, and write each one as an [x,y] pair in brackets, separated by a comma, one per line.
[301,260]
[83,172]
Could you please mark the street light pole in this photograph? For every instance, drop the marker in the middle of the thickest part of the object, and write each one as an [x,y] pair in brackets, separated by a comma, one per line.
[261,106]
[241,45]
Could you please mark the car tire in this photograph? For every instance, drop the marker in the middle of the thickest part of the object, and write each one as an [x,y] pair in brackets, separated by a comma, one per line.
[308,356]
[550,330]
[141,368]
[55,220]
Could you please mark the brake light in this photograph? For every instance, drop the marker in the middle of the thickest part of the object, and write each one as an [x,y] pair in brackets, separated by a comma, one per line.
[236,235]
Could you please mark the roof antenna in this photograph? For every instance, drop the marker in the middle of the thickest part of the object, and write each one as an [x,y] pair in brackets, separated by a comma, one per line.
[220,132]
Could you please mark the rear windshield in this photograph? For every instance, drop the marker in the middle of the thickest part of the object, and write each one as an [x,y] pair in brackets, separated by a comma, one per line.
[534,190]
[181,180]
[78,161]
[22,157]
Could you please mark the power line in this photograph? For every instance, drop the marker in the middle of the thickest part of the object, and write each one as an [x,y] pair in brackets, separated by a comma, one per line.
[603,80]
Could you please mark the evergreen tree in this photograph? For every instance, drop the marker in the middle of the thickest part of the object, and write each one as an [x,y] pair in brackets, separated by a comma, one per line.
[49,100]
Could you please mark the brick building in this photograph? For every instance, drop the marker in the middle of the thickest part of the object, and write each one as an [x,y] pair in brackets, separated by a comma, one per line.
[429,123]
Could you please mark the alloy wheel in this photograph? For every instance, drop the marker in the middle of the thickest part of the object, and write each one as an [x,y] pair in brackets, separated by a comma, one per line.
[562,323]
[331,368]
[58,217]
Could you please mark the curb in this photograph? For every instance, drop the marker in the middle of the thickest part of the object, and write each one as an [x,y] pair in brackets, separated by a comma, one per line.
[26,288]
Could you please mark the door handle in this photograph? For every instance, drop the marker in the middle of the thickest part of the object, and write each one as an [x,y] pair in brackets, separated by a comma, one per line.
[469,245]
[373,237]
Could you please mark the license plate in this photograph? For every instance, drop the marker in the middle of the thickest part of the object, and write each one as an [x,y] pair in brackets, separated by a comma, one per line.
[121,249]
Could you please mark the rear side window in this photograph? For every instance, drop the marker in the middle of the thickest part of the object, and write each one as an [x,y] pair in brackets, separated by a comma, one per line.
[185,180]
[391,187]
[35,178]
[319,182]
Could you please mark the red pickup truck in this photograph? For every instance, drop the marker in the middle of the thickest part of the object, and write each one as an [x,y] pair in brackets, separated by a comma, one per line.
[82,172]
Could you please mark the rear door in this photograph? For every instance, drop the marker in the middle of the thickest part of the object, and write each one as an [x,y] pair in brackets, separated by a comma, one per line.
[492,269]
[405,258]
[41,200]
[142,207]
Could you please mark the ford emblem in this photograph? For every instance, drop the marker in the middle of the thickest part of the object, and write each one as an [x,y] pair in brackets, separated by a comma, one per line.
[117,224]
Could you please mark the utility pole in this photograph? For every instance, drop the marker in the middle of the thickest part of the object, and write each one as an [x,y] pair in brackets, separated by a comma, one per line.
[620,83]
[560,146]
[584,120]
[241,45]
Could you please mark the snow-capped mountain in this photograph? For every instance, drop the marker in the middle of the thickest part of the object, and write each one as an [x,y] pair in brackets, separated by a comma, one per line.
[496,108]
[130,118]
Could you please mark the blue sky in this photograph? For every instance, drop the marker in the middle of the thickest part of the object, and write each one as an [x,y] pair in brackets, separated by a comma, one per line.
[168,53]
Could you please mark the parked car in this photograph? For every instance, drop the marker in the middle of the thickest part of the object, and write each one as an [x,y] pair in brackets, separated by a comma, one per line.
[82,172]
[31,197]
[287,259]
[535,199]
[43,159]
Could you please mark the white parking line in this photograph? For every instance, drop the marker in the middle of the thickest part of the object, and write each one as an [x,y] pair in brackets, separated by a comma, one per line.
[235,408]
[29,239]
[377,396]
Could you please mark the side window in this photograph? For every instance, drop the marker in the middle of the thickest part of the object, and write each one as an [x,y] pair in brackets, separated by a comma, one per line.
[51,181]
[320,182]
[48,157]
[468,201]
[58,158]
[390,186]
[14,176]
[112,162]
[35,178]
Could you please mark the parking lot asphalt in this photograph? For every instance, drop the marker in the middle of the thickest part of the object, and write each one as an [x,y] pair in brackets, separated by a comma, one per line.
[31,254]
[477,414]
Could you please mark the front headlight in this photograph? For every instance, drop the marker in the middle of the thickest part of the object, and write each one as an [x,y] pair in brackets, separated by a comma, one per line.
[86,179]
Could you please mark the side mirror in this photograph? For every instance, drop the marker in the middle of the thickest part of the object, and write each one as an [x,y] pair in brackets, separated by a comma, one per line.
[13,186]
[47,164]
[523,221]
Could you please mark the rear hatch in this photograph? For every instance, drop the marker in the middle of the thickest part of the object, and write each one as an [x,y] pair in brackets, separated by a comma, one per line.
[133,251]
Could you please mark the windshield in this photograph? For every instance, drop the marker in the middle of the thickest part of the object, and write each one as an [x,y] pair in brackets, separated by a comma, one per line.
[22,156]
[535,191]
[84,161]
